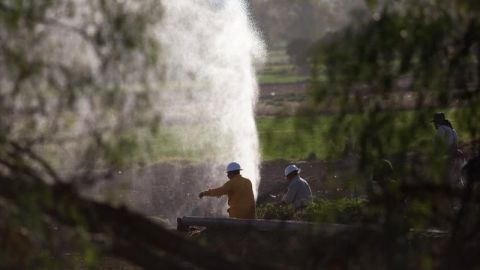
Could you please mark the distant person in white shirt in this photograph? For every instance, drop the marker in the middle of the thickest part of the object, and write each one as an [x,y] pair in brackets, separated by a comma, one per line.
[446,145]
[446,136]
[299,192]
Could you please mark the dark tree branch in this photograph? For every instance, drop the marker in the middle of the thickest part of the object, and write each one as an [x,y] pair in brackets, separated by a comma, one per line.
[37,159]
[467,41]
[66,206]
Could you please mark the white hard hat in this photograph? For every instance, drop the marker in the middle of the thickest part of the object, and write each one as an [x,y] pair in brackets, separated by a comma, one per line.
[291,168]
[234,166]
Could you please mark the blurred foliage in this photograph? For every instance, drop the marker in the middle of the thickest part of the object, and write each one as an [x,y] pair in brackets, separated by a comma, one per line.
[343,211]
[75,76]
[78,84]
[75,82]
[272,211]
[393,69]
[426,51]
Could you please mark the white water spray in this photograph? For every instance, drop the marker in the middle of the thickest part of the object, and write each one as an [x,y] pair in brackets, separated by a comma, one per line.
[207,102]
[211,90]
[102,85]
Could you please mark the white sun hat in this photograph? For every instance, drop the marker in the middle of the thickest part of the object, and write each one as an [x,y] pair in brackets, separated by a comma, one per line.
[233,166]
[291,168]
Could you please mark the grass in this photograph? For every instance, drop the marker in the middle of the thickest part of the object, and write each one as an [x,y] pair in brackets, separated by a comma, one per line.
[277,78]
[278,70]
[297,137]
[277,55]
[292,137]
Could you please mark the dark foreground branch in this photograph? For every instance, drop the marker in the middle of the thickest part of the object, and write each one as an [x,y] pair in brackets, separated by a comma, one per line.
[135,237]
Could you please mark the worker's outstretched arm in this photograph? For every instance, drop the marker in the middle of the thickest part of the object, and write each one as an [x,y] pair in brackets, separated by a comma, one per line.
[223,190]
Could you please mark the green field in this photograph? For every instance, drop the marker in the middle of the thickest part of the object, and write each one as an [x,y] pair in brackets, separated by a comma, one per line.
[297,137]
[275,78]
[279,70]
[292,137]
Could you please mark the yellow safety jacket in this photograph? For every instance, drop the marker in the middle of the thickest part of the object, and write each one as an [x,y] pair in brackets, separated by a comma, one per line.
[240,197]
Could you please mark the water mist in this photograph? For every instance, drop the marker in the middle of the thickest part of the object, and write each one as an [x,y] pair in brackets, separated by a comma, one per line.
[208,100]
[100,76]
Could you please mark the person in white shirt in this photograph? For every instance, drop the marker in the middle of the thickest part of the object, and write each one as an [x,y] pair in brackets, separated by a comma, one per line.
[446,136]
[446,146]
[299,192]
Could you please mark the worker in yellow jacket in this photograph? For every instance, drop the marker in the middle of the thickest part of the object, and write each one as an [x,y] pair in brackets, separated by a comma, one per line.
[239,191]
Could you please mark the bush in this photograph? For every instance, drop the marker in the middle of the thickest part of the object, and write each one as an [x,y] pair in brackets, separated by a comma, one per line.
[319,210]
[272,211]
[344,210]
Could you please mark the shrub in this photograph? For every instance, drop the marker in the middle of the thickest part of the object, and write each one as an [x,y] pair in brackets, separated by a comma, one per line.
[319,210]
[272,211]
[343,210]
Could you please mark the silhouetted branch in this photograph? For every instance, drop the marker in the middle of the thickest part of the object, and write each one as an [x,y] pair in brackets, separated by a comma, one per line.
[66,206]
[37,159]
